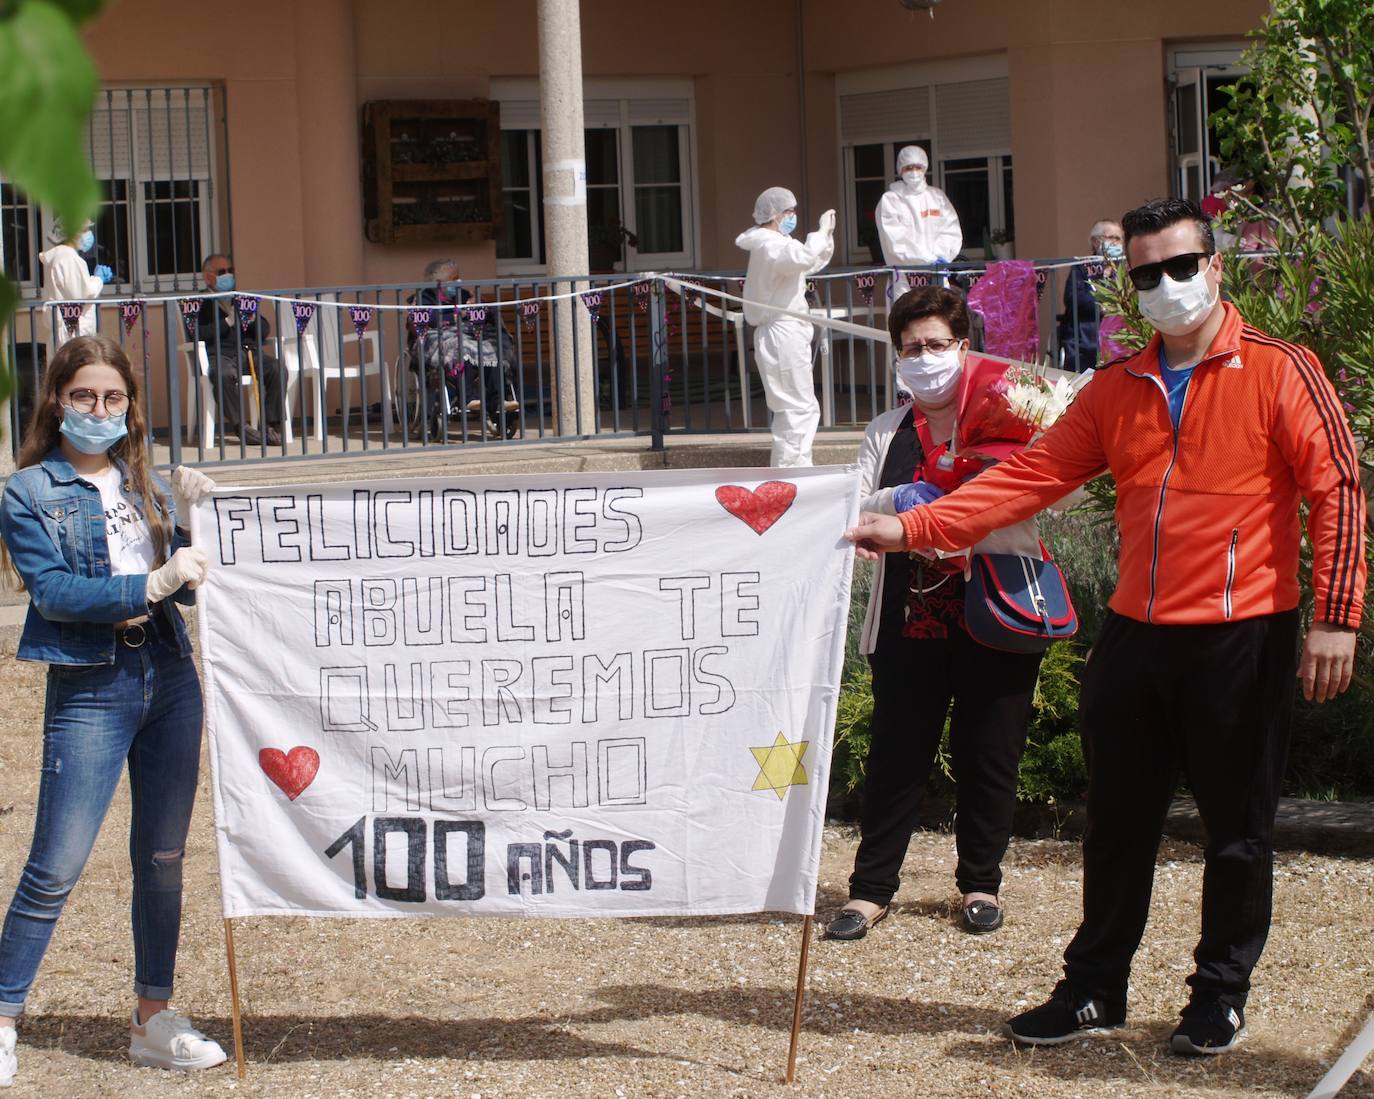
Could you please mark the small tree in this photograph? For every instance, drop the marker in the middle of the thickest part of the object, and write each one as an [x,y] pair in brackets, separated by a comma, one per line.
[1299,122]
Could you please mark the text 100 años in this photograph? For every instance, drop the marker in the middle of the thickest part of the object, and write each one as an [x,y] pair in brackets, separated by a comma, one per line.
[557,863]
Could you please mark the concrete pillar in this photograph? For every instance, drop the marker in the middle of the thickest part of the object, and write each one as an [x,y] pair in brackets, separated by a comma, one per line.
[327,99]
[565,206]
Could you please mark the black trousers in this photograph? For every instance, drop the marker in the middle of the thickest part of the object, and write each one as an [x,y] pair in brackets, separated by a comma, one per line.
[914,680]
[225,372]
[1215,702]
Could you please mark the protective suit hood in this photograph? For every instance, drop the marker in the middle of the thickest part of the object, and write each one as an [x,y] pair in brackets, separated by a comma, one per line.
[754,238]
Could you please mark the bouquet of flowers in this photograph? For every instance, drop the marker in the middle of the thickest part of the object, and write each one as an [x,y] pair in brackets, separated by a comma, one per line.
[1006,408]
[1003,408]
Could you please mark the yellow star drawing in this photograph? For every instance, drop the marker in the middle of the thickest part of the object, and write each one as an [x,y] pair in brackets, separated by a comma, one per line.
[780,765]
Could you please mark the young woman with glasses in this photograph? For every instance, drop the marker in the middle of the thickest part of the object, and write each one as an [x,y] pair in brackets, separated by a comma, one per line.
[91,533]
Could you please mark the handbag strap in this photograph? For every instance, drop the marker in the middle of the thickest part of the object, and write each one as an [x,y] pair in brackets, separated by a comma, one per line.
[922,426]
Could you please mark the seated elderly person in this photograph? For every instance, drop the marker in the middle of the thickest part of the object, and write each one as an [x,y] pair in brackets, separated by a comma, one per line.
[228,349]
[458,342]
[1078,324]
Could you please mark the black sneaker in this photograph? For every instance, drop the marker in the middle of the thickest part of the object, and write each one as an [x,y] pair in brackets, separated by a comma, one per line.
[1208,1028]
[1066,1014]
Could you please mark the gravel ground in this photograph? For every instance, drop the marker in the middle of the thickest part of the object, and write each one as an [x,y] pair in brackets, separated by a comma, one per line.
[667,1007]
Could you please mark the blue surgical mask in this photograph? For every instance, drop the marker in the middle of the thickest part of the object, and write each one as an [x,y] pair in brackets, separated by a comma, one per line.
[85,242]
[789,225]
[1112,251]
[224,283]
[89,433]
[451,290]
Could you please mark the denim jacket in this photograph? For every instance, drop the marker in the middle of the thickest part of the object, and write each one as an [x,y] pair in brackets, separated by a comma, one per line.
[53,525]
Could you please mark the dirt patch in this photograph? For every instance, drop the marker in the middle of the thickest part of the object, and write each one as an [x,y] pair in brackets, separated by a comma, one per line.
[668,1007]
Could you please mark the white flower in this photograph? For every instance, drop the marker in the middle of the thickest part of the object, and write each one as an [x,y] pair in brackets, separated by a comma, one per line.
[1037,401]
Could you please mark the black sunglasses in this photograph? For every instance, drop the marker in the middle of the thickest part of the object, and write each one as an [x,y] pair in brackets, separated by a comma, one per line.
[1179,268]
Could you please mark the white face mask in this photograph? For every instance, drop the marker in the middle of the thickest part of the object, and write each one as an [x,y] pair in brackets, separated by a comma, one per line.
[931,378]
[915,179]
[1177,308]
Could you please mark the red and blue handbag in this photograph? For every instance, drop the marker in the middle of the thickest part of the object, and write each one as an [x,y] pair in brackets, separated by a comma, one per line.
[1016,603]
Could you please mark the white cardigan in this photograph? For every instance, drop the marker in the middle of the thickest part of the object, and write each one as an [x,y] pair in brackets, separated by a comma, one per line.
[1023,537]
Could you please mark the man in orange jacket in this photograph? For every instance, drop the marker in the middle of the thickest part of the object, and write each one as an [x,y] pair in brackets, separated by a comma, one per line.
[1213,432]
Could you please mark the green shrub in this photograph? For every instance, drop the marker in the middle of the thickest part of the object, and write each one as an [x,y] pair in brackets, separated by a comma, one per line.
[1051,769]
[1084,541]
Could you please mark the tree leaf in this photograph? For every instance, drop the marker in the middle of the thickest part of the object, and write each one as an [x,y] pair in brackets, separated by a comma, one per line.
[78,11]
[47,86]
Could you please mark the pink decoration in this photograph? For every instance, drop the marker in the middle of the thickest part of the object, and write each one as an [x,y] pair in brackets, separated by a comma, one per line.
[1006,297]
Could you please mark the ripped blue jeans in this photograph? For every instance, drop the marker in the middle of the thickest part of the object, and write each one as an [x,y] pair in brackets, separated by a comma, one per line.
[145,708]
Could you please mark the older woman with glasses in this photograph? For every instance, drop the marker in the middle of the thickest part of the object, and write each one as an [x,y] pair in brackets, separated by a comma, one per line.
[922,657]
[91,533]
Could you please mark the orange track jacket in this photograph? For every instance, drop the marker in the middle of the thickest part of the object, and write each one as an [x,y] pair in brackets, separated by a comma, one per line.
[1208,514]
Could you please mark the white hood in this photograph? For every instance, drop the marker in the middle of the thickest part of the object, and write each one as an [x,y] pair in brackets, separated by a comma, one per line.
[755,237]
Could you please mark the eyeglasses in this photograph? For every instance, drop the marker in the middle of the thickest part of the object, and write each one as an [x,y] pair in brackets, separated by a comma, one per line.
[85,400]
[222,271]
[935,347]
[1179,268]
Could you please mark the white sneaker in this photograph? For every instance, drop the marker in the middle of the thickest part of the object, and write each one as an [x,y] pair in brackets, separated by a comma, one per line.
[168,1040]
[9,1060]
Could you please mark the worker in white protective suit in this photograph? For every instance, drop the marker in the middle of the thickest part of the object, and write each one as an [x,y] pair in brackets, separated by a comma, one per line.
[67,278]
[917,224]
[776,279]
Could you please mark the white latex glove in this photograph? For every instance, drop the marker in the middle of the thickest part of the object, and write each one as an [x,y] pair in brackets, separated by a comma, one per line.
[191,487]
[187,566]
[827,225]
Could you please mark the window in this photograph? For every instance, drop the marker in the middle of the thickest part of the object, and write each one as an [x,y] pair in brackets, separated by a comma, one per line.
[16,236]
[521,171]
[658,188]
[639,180]
[605,240]
[980,190]
[961,110]
[872,167]
[153,152]
[1197,75]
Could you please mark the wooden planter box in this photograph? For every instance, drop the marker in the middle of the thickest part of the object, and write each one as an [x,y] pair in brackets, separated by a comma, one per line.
[432,170]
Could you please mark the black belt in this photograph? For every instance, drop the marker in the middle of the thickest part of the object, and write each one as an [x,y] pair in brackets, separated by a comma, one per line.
[138,634]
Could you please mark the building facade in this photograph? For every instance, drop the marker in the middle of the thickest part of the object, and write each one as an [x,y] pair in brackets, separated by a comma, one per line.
[239,129]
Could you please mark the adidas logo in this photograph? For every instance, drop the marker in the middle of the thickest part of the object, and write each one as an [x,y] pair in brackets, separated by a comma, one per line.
[1233,1018]
[1233,363]
[1087,1013]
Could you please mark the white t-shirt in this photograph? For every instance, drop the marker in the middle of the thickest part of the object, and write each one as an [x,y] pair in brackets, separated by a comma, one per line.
[126,529]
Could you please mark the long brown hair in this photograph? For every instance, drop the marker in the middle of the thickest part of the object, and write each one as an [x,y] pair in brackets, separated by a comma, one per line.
[43,434]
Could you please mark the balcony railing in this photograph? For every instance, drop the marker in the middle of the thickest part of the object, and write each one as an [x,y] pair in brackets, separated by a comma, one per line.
[385,368]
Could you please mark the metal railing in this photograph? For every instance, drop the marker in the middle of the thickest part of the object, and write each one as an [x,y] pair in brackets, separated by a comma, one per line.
[386,368]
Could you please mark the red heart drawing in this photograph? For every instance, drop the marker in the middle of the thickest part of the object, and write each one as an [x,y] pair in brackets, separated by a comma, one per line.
[293,771]
[760,507]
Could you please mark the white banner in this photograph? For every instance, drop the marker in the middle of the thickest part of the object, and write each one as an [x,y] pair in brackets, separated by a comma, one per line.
[564,695]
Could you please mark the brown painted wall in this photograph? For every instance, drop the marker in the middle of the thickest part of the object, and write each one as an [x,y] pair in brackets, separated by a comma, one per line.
[1087,84]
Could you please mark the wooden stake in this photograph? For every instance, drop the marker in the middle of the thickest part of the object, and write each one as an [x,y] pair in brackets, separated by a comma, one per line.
[797,1004]
[234,998]
[1346,1064]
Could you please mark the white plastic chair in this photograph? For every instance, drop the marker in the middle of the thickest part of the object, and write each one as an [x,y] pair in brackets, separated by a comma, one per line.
[197,361]
[292,349]
[201,372]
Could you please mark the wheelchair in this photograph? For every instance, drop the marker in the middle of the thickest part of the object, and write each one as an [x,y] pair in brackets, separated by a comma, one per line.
[454,377]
